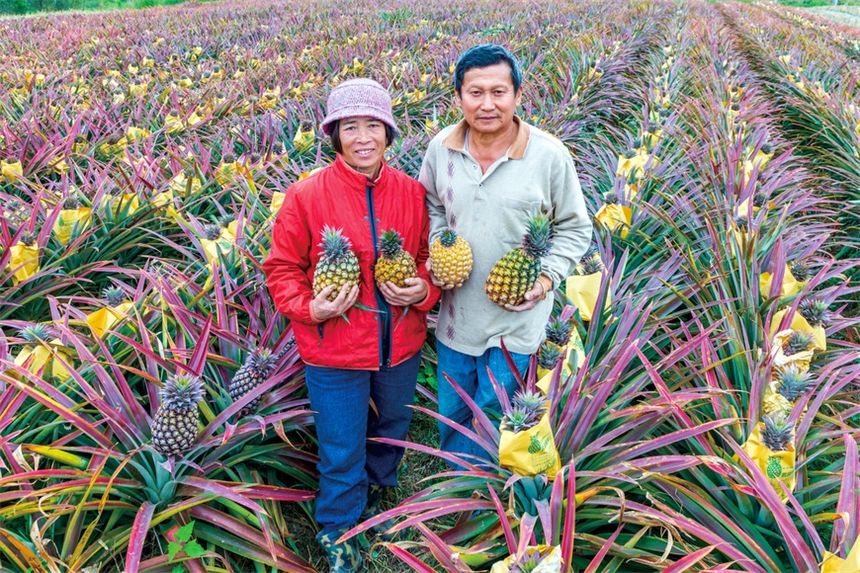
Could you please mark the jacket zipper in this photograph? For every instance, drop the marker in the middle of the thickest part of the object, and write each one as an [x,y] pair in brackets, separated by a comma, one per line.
[381,303]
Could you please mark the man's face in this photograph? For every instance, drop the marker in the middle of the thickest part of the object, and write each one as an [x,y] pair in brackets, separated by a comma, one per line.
[488,99]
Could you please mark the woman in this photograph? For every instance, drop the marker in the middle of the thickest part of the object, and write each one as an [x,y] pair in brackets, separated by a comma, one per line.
[362,345]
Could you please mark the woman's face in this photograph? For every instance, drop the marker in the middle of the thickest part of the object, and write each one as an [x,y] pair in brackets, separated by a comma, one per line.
[362,140]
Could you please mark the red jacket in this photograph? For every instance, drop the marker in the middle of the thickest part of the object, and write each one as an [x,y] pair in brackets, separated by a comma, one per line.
[339,196]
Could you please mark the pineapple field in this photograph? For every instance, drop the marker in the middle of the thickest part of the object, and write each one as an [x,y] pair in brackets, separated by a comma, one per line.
[695,404]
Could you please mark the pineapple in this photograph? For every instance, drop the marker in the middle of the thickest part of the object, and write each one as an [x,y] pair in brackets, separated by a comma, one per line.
[35,333]
[515,273]
[549,354]
[517,420]
[531,401]
[211,231]
[558,331]
[394,264]
[254,372]
[799,270]
[174,428]
[793,383]
[451,258]
[774,467]
[590,266]
[815,312]
[777,432]
[114,296]
[338,265]
[527,408]
[796,342]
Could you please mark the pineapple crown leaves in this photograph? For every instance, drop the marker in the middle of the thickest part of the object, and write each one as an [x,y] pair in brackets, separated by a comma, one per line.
[334,244]
[799,270]
[530,401]
[113,295]
[796,342]
[538,238]
[519,419]
[28,238]
[558,331]
[181,392]
[225,220]
[548,355]
[815,311]
[448,237]
[262,360]
[71,202]
[777,431]
[610,198]
[793,383]
[35,333]
[527,563]
[591,265]
[211,231]
[390,243]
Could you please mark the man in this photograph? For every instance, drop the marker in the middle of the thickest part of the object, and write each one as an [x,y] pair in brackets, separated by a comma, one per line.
[484,178]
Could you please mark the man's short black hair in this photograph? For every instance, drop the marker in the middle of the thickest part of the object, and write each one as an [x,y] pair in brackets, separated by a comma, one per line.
[335,135]
[484,55]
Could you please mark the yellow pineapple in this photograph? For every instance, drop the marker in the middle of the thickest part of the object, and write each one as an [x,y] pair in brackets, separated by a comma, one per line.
[451,258]
[515,273]
[338,265]
[394,264]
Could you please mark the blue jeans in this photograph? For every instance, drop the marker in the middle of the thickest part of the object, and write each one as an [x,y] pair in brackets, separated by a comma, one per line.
[470,373]
[348,462]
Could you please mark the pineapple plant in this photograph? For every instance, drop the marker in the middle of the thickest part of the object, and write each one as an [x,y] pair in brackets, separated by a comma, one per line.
[338,265]
[256,369]
[515,274]
[394,264]
[796,342]
[793,383]
[815,312]
[174,427]
[451,258]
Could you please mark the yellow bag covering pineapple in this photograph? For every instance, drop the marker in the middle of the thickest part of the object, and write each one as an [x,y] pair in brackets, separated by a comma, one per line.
[277,201]
[790,285]
[70,220]
[164,200]
[44,361]
[11,171]
[573,359]
[800,359]
[530,452]
[24,261]
[103,319]
[582,291]
[773,402]
[777,464]
[224,241]
[183,185]
[615,217]
[800,324]
[835,564]
[634,165]
[550,560]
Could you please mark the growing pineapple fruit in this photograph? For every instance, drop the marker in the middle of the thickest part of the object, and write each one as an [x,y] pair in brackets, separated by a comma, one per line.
[527,408]
[549,354]
[113,295]
[394,264]
[451,258]
[776,434]
[796,342]
[338,265]
[552,348]
[254,372]
[515,273]
[815,312]
[799,270]
[174,428]
[793,383]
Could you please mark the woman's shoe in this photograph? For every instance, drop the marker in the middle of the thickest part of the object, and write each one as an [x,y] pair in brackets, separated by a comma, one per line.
[342,557]
[375,494]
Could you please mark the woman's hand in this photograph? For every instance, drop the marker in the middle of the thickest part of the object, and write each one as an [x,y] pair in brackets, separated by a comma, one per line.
[436,281]
[415,291]
[324,309]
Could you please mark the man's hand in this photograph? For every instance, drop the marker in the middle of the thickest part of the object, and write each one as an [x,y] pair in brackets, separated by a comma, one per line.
[414,291]
[534,295]
[436,281]
[324,309]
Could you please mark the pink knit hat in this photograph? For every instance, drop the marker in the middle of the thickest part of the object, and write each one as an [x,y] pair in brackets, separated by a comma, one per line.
[356,98]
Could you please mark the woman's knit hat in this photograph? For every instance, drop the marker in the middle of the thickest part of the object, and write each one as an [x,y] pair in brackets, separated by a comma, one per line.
[356,98]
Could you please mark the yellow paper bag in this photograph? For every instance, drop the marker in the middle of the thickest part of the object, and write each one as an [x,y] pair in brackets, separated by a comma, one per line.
[573,359]
[224,243]
[550,560]
[23,262]
[634,166]
[44,362]
[835,564]
[800,324]
[773,401]
[103,319]
[184,186]
[780,361]
[530,452]
[615,217]
[790,285]
[277,201]
[582,291]
[11,170]
[777,466]
[70,221]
